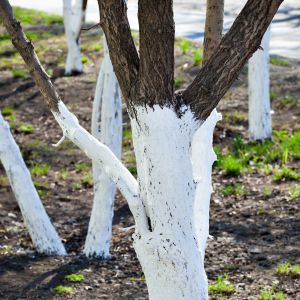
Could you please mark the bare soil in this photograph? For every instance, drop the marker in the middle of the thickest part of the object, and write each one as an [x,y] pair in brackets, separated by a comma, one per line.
[252,233]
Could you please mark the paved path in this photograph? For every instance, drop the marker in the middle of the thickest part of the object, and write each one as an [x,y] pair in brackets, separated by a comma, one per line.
[190,16]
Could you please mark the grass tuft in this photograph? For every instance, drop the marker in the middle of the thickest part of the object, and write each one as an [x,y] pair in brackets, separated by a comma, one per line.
[60,289]
[75,278]
[221,287]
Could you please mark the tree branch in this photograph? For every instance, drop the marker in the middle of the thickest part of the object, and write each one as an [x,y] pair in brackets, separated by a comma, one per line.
[213,27]
[95,150]
[157,36]
[123,54]
[236,47]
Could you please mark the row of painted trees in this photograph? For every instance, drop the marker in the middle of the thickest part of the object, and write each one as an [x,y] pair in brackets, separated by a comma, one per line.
[170,200]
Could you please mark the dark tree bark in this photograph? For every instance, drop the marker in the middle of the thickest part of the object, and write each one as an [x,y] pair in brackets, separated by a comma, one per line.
[212,81]
[123,54]
[157,36]
[236,47]
[213,27]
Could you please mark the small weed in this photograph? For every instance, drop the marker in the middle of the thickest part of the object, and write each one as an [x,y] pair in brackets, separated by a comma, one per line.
[63,174]
[184,46]
[294,193]
[278,61]
[7,111]
[87,180]
[283,269]
[179,81]
[285,174]
[295,270]
[26,128]
[82,167]
[273,95]
[221,287]
[18,73]
[288,101]
[85,59]
[267,191]
[75,278]
[76,186]
[60,289]
[231,165]
[95,47]
[235,189]
[197,56]
[40,169]
[270,294]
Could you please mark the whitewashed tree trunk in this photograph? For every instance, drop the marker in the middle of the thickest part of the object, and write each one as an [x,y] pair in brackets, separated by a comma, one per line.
[169,184]
[73,18]
[107,128]
[203,157]
[260,121]
[42,232]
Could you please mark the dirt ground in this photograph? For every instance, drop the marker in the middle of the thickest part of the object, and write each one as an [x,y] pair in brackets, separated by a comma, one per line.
[252,233]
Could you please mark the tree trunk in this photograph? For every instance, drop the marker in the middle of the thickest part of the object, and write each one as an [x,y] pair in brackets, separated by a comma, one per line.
[260,120]
[168,253]
[106,127]
[42,233]
[73,18]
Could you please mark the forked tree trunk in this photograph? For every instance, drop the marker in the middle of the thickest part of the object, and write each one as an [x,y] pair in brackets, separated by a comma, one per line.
[260,120]
[169,181]
[74,15]
[107,128]
[164,124]
[42,233]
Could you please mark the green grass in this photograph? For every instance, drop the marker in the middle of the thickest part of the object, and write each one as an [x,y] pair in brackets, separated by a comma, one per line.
[85,59]
[184,45]
[221,287]
[270,294]
[179,81]
[7,111]
[285,174]
[278,61]
[294,193]
[26,128]
[87,180]
[241,156]
[18,73]
[288,101]
[40,169]
[61,289]
[234,189]
[35,17]
[82,167]
[231,165]
[75,278]
[197,56]
[64,174]
[285,269]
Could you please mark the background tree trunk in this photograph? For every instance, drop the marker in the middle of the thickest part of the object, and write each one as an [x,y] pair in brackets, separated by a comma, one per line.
[106,127]
[74,16]
[42,232]
[260,120]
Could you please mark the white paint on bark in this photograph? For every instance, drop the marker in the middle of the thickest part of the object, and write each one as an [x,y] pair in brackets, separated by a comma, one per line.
[42,232]
[203,157]
[107,128]
[169,253]
[101,154]
[260,121]
[73,19]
